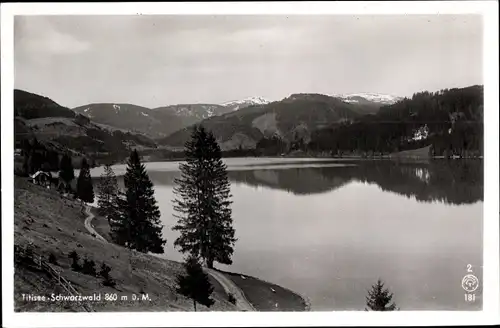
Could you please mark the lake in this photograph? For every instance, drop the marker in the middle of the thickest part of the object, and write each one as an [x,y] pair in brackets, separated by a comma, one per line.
[329,229]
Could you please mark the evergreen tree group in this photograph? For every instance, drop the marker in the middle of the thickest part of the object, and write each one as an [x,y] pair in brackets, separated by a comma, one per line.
[379,298]
[454,119]
[136,218]
[203,201]
[84,188]
[37,157]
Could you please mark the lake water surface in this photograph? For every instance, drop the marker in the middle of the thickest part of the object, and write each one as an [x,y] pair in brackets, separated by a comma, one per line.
[330,229]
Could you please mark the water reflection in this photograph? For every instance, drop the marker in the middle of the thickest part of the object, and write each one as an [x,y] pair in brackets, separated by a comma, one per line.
[449,182]
[331,248]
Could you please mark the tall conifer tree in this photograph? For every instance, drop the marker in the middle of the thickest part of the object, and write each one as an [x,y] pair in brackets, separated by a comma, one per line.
[137,218]
[84,187]
[66,171]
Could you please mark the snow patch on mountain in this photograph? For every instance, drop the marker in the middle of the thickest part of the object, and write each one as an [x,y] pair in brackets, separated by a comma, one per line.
[144,114]
[87,109]
[246,102]
[350,100]
[116,107]
[370,96]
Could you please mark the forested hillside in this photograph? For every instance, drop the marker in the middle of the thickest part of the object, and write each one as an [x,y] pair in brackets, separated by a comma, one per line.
[29,106]
[53,129]
[450,120]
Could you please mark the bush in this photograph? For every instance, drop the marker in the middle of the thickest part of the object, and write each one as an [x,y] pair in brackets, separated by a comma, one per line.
[231,298]
[73,255]
[52,259]
[88,267]
[108,280]
[105,269]
[75,265]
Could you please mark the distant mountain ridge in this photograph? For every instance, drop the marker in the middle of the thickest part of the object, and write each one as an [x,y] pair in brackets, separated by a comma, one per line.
[301,121]
[161,121]
[61,129]
[131,117]
[192,113]
[350,123]
[164,121]
[290,119]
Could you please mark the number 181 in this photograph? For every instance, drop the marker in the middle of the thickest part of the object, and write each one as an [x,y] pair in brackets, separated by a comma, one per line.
[470,297]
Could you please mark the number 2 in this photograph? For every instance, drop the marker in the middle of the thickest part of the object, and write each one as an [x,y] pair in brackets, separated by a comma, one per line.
[469,268]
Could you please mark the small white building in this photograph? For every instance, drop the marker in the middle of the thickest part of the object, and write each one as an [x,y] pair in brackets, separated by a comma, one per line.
[41,178]
[421,133]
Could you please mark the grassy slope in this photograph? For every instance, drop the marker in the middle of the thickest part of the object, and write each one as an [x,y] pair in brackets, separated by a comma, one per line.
[55,224]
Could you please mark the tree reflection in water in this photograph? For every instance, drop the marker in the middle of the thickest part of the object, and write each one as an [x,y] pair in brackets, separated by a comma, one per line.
[447,181]
[451,182]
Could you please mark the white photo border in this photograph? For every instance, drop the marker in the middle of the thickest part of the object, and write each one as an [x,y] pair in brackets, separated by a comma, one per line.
[490,313]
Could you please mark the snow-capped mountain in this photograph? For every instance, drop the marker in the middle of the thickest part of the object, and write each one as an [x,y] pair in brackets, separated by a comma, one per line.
[364,97]
[250,101]
[132,118]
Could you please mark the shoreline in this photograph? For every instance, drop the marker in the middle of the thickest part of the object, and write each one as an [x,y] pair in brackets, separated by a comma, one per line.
[247,287]
[292,161]
[307,301]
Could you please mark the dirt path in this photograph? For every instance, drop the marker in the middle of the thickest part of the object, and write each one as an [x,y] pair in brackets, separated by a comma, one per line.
[241,301]
[88,224]
[229,287]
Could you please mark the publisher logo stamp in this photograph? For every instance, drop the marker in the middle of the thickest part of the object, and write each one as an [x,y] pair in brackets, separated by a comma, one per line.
[470,283]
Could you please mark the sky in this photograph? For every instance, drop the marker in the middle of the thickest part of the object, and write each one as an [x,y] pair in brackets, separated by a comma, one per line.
[154,61]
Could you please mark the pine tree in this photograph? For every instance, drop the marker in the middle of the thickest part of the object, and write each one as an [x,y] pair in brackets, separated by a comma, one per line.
[75,257]
[26,152]
[104,272]
[66,172]
[84,188]
[107,193]
[379,299]
[195,284]
[119,220]
[34,163]
[53,159]
[203,201]
[137,218]
[35,159]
